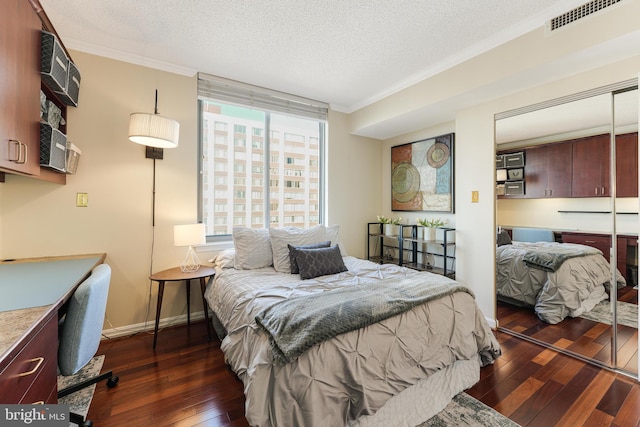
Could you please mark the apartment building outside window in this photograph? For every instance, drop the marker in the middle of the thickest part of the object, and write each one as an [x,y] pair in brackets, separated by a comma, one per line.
[276,180]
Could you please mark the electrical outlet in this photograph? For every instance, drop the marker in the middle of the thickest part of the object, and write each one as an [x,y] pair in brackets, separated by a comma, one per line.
[475,196]
[82,200]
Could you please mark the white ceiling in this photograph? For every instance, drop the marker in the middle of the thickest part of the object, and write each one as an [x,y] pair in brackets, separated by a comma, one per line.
[348,53]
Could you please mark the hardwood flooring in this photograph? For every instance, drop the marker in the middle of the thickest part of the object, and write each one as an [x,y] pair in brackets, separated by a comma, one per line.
[186,382]
[584,337]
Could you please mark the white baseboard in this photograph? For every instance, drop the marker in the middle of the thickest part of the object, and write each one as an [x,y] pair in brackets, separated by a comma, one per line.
[123,331]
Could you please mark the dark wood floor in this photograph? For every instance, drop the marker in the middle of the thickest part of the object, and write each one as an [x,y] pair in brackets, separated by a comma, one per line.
[185,382]
[582,336]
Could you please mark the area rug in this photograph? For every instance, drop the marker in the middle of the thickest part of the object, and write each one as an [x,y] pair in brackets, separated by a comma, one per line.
[464,410]
[80,400]
[627,314]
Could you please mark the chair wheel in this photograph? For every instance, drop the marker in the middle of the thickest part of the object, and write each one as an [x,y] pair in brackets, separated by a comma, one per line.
[112,382]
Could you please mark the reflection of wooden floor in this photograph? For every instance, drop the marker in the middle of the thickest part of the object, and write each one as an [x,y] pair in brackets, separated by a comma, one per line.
[581,336]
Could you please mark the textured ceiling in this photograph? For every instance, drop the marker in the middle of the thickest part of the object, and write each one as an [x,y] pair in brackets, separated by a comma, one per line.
[348,53]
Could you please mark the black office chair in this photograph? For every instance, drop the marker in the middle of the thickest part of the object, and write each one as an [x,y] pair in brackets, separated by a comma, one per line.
[81,331]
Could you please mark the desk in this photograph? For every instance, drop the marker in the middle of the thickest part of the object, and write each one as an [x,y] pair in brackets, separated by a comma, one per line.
[177,275]
[35,289]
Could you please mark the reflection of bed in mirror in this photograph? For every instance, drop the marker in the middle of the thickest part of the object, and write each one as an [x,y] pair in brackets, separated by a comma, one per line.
[556,280]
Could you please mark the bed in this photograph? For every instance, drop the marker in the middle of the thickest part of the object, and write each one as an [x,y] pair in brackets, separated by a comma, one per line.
[557,280]
[392,369]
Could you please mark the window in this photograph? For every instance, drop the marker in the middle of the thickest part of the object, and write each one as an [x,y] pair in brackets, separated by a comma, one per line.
[286,139]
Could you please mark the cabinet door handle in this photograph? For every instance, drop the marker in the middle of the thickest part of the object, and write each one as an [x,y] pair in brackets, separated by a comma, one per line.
[21,158]
[38,361]
[550,192]
[602,191]
[589,241]
[596,191]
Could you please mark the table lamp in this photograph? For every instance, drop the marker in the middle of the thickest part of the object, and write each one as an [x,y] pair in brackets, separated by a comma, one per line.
[189,235]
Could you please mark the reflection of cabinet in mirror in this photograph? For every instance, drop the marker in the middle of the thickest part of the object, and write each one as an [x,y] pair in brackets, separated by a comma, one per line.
[627,165]
[590,165]
[580,168]
[548,171]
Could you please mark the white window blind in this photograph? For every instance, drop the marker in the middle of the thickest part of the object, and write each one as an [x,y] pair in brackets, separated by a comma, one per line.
[213,87]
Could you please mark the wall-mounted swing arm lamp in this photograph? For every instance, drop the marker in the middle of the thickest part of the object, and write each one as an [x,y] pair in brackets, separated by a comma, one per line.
[154,130]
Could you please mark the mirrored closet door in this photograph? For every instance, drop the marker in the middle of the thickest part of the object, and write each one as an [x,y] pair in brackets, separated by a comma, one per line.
[567,216]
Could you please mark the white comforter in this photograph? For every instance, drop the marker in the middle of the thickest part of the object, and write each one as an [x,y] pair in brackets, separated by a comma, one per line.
[353,374]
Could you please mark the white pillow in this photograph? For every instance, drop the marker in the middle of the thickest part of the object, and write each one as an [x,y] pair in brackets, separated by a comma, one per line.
[333,235]
[253,249]
[224,259]
[294,236]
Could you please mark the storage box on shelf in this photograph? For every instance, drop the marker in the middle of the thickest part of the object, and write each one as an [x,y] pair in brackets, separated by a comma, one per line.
[413,249]
[54,64]
[53,147]
[510,174]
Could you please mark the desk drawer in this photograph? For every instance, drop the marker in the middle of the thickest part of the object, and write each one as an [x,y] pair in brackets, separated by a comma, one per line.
[31,375]
[598,241]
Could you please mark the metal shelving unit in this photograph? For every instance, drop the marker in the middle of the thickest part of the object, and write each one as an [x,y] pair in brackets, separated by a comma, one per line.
[410,250]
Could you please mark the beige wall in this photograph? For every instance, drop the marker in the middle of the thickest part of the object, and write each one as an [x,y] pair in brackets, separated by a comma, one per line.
[353,183]
[40,219]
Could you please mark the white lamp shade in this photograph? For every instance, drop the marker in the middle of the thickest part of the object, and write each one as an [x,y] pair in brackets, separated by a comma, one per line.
[189,235]
[501,175]
[153,130]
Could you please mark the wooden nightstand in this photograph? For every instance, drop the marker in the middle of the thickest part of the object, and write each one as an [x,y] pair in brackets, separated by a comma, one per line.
[177,275]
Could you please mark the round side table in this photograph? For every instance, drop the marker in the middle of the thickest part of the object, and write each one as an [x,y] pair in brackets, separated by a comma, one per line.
[177,275]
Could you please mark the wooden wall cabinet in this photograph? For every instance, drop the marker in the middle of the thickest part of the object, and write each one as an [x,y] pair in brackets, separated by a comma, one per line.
[21,24]
[548,171]
[627,165]
[590,177]
[580,168]
[20,88]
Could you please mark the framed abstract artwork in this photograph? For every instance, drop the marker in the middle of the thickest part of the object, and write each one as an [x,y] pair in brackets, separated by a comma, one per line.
[422,175]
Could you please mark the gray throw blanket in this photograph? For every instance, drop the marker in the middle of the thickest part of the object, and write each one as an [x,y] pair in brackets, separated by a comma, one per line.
[551,258]
[297,324]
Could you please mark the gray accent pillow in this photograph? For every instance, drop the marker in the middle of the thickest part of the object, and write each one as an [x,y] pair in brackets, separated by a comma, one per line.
[293,253]
[320,262]
[503,238]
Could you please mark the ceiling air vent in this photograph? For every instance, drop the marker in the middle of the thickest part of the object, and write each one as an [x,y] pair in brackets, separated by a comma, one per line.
[580,12]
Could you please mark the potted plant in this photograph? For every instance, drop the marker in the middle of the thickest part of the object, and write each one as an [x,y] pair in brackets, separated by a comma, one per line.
[431,225]
[390,225]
